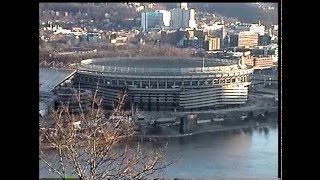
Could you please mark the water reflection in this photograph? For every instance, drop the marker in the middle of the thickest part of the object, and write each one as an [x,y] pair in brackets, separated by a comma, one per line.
[260,129]
[248,131]
[239,153]
[242,153]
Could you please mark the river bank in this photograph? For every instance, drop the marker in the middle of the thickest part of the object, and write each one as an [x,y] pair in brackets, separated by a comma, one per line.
[168,133]
[210,130]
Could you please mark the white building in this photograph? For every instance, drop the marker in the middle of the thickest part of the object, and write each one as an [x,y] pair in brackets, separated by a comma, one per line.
[257,28]
[212,27]
[192,19]
[275,56]
[62,31]
[166,17]
[275,27]
[183,17]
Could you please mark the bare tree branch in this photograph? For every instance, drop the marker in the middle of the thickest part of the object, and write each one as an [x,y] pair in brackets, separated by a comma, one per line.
[94,151]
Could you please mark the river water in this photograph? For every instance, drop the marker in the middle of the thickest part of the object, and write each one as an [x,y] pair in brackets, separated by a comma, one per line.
[251,153]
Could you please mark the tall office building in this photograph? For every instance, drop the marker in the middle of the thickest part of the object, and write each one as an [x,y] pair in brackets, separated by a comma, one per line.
[151,19]
[182,5]
[221,33]
[183,17]
[212,43]
[244,39]
[192,19]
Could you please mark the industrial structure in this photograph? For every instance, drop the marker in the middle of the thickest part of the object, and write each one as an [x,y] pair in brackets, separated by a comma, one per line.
[166,83]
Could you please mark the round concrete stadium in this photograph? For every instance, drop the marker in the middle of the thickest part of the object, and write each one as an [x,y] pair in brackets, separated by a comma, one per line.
[166,83]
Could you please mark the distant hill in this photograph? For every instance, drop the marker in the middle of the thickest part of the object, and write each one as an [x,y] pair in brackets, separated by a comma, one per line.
[246,12]
[94,10]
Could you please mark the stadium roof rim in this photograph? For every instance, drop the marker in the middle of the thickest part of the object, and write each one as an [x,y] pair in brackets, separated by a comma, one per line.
[149,57]
[158,62]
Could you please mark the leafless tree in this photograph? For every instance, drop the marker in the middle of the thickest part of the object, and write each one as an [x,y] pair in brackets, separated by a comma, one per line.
[91,145]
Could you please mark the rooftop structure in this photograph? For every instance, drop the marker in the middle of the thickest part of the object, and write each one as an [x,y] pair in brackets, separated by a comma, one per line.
[50,78]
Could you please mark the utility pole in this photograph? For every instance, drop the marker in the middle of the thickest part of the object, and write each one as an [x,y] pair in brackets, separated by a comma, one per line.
[202,64]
